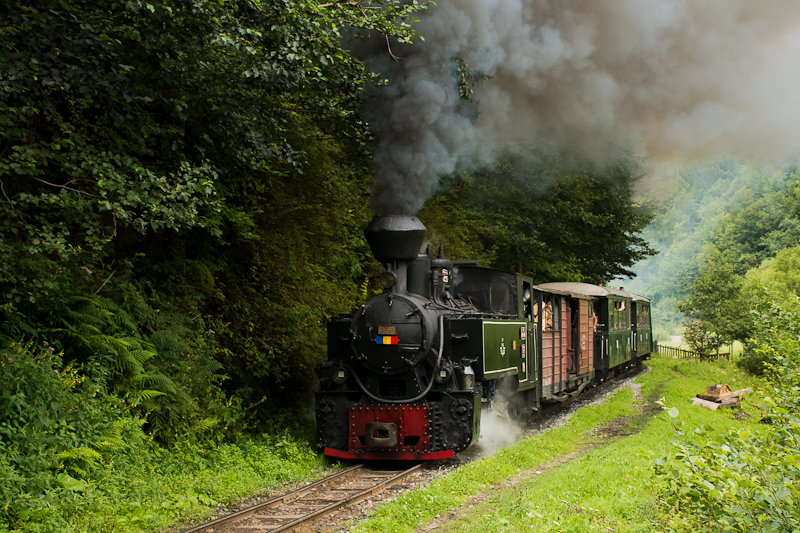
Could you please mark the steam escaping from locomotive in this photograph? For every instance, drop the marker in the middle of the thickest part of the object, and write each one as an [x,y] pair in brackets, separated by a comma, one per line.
[669,78]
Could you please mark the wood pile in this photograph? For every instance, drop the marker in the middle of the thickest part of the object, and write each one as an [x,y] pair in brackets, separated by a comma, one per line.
[717,396]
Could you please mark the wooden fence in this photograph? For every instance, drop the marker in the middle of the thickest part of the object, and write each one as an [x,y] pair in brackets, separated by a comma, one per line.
[680,353]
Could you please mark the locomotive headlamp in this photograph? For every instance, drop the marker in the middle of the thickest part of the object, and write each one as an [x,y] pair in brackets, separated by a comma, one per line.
[339,376]
[442,375]
[387,279]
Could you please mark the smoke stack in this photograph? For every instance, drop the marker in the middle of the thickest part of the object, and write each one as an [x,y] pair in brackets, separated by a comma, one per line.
[395,237]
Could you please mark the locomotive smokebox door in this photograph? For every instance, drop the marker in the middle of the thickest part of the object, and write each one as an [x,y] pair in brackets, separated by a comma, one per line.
[392,334]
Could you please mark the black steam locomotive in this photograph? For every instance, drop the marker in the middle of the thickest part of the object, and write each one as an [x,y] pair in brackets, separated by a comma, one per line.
[409,371]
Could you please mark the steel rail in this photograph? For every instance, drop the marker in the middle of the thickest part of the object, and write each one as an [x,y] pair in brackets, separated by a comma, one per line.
[355,498]
[273,501]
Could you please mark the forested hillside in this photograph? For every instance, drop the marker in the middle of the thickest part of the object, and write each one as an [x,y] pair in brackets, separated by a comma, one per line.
[721,219]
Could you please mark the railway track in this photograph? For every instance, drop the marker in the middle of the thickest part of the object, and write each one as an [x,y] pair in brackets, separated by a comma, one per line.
[292,510]
[356,484]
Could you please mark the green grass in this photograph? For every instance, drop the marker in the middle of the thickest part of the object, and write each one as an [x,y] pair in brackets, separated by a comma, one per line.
[153,492]
[153,489]
[609,484]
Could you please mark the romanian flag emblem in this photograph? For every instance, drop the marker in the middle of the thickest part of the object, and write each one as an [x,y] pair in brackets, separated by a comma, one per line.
[386,339]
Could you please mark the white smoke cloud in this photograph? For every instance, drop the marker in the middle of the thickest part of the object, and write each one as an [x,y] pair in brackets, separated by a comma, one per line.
[671,78]
[496,432]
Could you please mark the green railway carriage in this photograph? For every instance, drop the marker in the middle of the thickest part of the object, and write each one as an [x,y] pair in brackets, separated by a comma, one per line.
[615,331]
[642,327]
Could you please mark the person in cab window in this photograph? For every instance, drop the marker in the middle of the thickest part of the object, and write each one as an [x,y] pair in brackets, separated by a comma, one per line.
[526,304]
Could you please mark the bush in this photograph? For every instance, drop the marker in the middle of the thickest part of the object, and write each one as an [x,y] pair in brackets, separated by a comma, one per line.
[74,457]
[746,482]
[58,428]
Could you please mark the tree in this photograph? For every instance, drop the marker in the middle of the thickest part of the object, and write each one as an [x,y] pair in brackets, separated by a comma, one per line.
[714,307]
[563,216]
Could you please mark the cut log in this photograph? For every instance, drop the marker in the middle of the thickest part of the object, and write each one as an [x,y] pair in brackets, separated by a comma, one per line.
[705,403]
[732,401]
[709,397]
[736,394]
[713,392]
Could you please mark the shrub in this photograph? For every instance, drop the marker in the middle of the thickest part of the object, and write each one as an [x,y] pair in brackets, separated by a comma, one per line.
[58,427]
[746,482]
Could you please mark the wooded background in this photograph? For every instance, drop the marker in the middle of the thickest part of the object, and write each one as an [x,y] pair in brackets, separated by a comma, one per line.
[184,187]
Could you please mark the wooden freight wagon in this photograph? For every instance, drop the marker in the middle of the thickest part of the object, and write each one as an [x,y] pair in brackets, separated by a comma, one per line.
[566,324]
[615,332]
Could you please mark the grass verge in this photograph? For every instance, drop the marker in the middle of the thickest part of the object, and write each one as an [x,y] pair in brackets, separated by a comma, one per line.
[591,478]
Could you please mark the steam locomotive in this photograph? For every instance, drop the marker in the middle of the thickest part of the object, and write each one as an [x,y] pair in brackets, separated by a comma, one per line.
[409,371]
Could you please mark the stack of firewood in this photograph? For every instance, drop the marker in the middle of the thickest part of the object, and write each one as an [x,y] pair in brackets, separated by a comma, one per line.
[717,396]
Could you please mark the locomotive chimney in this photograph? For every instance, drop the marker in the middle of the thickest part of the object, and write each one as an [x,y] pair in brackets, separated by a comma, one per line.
[395,240]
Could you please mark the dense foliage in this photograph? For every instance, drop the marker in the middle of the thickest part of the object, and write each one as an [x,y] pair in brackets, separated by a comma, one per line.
[563,217]
[74,457]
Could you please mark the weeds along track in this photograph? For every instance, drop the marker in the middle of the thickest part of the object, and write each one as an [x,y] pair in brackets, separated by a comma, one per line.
[293,510]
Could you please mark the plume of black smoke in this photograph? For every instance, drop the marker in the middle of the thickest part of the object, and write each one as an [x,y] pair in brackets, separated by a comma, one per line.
[670,78]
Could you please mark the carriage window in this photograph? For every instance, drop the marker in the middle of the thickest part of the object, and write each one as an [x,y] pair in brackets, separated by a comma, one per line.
[527,301]
[556,313]
[547,312]
[621,314]
[551,315]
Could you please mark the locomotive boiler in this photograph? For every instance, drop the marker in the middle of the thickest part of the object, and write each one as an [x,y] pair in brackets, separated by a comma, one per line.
[410,370]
